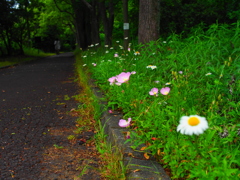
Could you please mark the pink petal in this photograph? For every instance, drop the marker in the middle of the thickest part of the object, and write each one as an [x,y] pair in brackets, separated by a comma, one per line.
[124,123]
[112,79]
[165,91]
[154,91]
[123,77]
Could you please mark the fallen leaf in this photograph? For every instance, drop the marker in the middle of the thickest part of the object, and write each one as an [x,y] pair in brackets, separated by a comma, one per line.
[130,154]
[146,156]
[143,148]
[136,170]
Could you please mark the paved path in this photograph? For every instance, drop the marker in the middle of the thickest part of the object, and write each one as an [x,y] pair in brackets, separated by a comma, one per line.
[32,115]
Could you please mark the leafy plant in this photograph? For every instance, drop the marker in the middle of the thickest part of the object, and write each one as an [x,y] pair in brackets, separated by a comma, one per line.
[166,80]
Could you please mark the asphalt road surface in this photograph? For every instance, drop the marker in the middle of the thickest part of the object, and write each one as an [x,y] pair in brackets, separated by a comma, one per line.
[34,100]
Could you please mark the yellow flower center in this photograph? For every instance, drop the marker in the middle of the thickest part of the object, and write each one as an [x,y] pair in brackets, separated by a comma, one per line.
[125,79]
[193,121]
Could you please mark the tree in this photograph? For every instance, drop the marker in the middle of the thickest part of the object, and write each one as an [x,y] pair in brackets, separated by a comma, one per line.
[126,24]
[149,15]
[94,20]
[7,20]
[106,9]
[15,26]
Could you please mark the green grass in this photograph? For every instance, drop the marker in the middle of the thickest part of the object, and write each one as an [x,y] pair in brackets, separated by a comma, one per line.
[203,74]
[29,55]
[90,112]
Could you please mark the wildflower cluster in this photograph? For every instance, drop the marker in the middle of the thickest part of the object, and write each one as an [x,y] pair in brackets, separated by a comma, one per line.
[121,78]
[191,118]
[163,91]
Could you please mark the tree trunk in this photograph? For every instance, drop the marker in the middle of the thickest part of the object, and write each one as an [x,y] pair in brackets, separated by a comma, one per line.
[126,25]
[93,21]
[7,41]
[149,15]
[82,26]
[95,26]
[107,21]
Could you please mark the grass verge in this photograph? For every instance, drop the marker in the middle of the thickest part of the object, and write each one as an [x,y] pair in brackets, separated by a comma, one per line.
[111,159]
[30,54]
[182,97]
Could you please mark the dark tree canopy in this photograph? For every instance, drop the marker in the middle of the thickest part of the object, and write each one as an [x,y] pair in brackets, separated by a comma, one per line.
[80,23]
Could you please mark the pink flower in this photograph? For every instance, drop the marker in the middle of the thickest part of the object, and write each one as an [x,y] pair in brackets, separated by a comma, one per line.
[133,72]
[94,64]
[154,91]
[110,111]
[123,77]
[165,91]
[112,80]
[124,123]
[115,55]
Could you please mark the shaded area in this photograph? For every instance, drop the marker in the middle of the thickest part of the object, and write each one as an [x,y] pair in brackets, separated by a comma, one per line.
[35,99]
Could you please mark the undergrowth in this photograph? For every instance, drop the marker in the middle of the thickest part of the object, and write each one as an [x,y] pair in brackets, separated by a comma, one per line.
[166,81]
[90,112]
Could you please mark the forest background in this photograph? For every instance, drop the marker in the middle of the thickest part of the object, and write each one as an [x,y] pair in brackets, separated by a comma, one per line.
[80,23]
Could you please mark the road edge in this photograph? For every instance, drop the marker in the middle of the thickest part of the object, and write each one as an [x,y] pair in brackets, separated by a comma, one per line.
[138,167]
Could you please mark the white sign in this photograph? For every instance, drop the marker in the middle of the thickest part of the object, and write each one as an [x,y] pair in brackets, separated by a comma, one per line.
[125,26]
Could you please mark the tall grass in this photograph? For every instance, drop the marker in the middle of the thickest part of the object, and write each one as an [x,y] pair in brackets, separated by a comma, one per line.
[203,74]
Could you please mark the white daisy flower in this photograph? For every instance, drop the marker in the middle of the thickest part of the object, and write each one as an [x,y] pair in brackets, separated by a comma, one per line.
[137,53]
[152,67]
[208,74]
[193,124]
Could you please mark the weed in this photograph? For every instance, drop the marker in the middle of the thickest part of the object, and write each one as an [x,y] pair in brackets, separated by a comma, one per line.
[71,137]
[58,147]
[112,166]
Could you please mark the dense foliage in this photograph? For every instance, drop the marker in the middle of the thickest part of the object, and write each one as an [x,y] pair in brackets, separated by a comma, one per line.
[37,23]
[173,80]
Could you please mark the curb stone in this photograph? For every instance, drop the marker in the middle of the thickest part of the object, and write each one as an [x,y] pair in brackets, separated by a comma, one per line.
[138,167]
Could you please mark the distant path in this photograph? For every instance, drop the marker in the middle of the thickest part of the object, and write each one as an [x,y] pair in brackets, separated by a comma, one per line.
[32,117]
